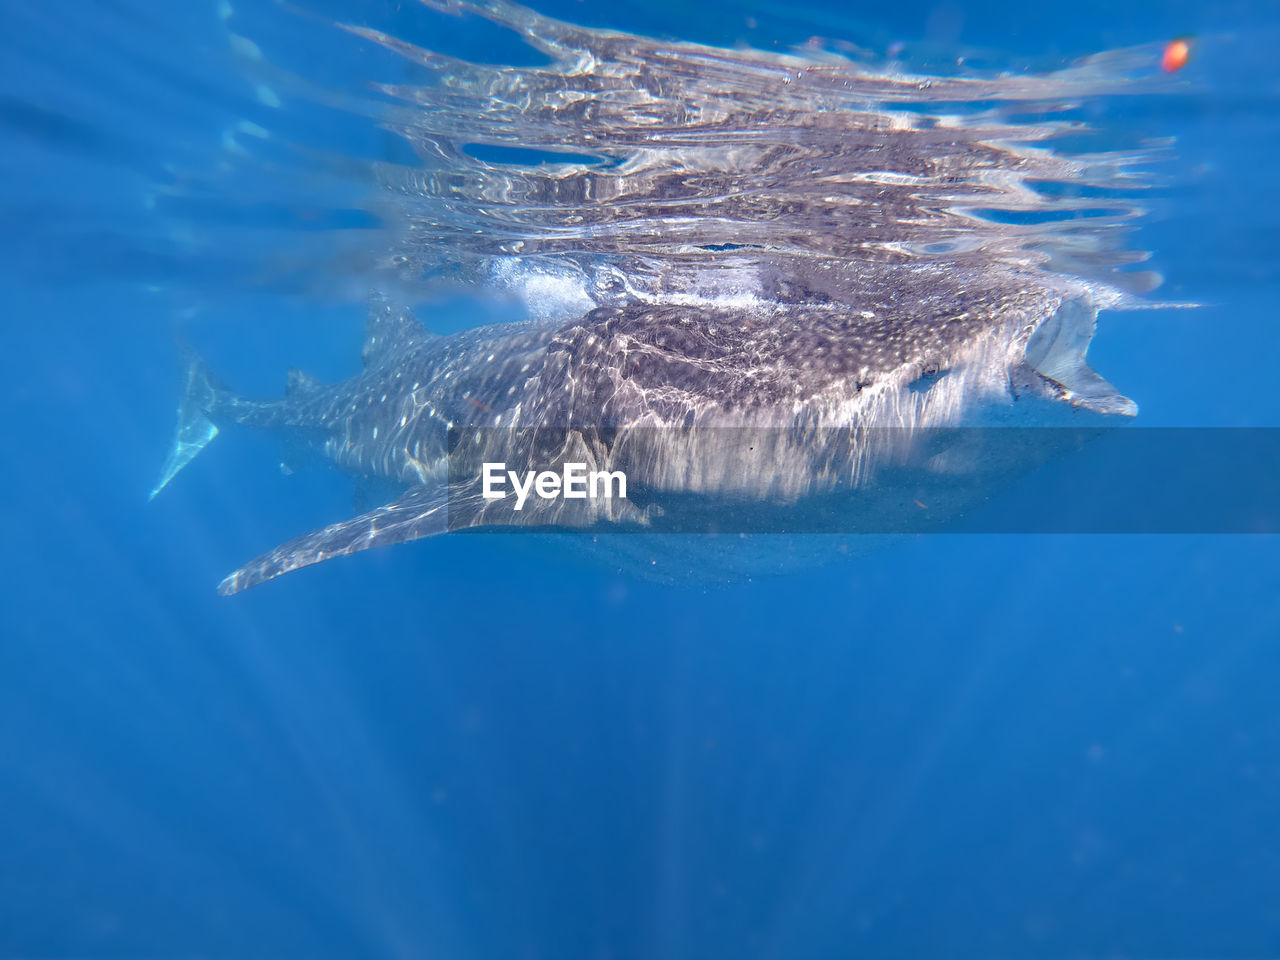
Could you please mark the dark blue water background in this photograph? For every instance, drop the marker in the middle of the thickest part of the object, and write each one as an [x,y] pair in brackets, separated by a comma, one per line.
[483,747]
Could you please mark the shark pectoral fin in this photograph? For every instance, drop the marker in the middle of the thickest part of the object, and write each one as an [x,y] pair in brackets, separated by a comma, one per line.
[421,512]
[1056,351]
[370,492]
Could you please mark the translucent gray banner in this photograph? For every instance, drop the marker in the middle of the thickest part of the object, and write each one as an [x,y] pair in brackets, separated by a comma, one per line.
[821,480]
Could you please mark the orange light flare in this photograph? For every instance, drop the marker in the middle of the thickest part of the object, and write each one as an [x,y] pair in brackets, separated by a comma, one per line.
[1176,54]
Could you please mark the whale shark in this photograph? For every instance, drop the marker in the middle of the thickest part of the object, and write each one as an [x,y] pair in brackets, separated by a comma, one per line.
[663,374]
[730,259]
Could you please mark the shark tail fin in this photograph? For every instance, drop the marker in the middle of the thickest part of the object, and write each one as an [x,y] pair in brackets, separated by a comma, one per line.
[195,427]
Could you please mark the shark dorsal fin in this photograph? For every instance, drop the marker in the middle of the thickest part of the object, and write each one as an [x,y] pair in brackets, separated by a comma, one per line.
[390,330]
[299,382]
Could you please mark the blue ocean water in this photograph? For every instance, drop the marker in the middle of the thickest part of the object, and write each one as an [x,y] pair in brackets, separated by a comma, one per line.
[475,747]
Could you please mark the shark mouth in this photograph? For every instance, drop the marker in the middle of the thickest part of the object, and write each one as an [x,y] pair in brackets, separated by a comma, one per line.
[1056,351]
